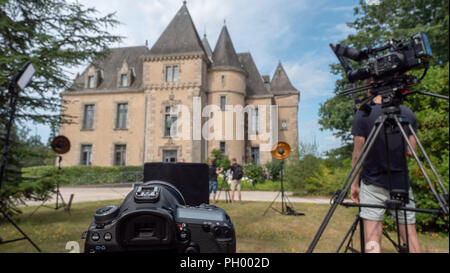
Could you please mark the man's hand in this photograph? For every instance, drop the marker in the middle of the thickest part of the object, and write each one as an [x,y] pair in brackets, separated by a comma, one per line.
[354,193]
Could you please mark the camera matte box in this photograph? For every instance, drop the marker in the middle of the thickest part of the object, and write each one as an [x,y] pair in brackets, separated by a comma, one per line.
[191,179]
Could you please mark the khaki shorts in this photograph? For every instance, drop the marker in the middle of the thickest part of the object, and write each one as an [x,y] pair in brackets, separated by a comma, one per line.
[375,195]
[235,184]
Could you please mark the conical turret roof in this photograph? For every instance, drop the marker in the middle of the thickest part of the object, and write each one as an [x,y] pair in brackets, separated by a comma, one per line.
[280,81]
[180,36]
[224,53]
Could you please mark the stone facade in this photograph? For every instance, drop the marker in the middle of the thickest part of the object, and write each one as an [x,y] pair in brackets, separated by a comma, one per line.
[148,84]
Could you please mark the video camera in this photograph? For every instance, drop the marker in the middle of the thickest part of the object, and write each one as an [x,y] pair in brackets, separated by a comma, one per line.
[155,216]
[387,72]
[404,55]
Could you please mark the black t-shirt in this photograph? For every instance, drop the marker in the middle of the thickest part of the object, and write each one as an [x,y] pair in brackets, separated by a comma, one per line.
[233,170]
[374,170]
[212,173]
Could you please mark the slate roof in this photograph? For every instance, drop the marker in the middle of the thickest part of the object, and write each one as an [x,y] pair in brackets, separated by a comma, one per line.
[224,53]
[280,82]
[207,47]
[111,63]
[180,36]
[254,82]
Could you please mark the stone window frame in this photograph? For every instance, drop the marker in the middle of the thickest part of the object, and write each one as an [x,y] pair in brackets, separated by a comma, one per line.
[172,70]
[81,145]
[178,148]
[113,163]
[224,147]
[169,149]
[254,123]
[88,82]
[258,161]
[225,103]
[281,125]
[116,121]
[83,114]
[121,80]
[164,104]
[97,76]
[223,80]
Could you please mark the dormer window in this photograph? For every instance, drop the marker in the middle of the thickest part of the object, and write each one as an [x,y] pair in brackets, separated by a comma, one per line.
[91,82]
[123,80]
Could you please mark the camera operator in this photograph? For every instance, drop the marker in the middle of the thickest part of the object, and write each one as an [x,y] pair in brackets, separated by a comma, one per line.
[213,184]
[374,186]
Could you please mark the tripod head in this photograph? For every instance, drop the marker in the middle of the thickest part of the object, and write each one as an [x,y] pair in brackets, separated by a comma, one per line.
[392,89]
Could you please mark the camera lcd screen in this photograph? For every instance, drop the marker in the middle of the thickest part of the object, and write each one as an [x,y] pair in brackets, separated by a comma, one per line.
[199,214]
[191,179]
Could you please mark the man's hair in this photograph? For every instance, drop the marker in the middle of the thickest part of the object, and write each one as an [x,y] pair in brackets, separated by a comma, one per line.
[234,159]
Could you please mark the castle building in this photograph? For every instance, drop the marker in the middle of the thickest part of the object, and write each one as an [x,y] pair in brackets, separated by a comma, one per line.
[124,106]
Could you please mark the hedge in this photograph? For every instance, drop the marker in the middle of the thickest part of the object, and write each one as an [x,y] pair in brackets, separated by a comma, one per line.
[82,175]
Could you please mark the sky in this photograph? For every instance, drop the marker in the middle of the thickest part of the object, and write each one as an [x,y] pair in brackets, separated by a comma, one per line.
[295,32]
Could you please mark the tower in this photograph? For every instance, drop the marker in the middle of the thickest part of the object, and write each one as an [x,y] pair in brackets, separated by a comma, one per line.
[175,72]
[226,86]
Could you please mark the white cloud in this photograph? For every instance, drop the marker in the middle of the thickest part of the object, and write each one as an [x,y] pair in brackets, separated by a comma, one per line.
[263,27]
[311,75]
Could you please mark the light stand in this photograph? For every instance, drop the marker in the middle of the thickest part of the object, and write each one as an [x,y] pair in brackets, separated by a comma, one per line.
[19,82]
[58,195]
[286,206]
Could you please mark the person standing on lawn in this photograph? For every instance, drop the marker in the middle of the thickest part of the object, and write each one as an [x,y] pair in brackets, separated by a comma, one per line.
[213,184]
[237,174]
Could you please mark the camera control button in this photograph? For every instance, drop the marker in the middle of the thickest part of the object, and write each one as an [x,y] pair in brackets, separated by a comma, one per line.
[108,236]
[206,227]
[184,234]
[95,236]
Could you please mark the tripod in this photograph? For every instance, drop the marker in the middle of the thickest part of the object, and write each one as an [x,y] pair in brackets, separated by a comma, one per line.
[58,195]
[392,118]
[227,194]
[286,205]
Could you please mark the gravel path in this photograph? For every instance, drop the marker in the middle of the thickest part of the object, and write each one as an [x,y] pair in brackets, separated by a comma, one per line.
[92,193]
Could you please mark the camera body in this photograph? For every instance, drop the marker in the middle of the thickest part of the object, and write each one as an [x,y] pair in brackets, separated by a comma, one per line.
[154,218]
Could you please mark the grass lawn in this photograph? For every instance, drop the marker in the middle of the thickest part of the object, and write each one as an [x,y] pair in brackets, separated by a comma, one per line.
[51,229]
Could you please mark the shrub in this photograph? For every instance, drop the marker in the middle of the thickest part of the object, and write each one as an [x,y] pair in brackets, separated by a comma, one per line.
[273,169]
[255,173]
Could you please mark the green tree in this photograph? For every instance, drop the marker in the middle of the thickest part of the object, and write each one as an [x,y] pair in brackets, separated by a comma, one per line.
[55,36]
[222,161]
[302,165]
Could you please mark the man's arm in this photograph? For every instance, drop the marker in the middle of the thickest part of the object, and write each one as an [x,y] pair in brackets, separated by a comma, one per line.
[358,144]
[413,143]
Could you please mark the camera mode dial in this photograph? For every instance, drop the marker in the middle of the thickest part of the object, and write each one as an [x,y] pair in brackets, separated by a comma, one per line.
[106,214]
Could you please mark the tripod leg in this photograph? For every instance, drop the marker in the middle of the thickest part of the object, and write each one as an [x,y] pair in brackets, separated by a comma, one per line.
[442,203]
[270,206]
[23,233]
[348,181]
[427,158]
[350,234]
[43,202]
[362,235]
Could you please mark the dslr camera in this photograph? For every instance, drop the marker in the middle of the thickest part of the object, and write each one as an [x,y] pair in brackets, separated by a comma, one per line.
[155,217]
